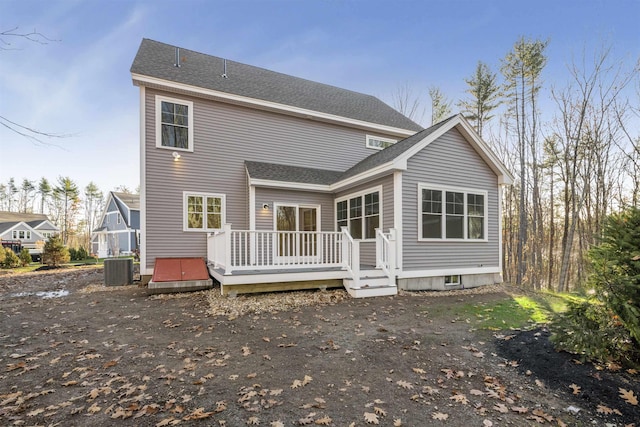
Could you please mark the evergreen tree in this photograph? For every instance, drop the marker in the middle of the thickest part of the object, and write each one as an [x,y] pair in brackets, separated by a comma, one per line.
[484,91]
[25,257]
[44,190]
[55,253]
[607,327]
[66,192]
[440,106]
[11,260]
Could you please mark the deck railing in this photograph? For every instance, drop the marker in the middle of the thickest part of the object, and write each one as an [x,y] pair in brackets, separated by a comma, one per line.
[386,253]
[236,250]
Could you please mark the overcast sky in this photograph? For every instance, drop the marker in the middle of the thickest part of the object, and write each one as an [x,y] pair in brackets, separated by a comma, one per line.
[79,83]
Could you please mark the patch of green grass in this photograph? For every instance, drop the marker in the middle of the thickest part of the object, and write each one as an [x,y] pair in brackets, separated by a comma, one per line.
[516,311]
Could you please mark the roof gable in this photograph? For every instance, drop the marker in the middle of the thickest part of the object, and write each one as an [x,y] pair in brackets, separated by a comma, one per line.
[394,157]
[157,60]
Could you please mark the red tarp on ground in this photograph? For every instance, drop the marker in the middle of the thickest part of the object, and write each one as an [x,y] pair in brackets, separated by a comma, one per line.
[179,269]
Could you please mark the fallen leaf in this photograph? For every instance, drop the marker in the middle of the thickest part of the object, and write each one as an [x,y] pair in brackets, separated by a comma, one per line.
[602,409]
[404,384]
[520,409]
[324,421]
[253,421]
[487,423]
[380,411]
[371,418]
[460,398]
[628,396]
[439,416]
[576,388]
[501,408]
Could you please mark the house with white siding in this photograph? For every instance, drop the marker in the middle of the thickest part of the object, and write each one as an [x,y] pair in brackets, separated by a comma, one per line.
[118,231]
[278,182]
[32,230]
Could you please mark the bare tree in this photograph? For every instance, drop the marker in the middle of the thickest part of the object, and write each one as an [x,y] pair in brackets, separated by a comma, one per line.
[408,102]
[8,40]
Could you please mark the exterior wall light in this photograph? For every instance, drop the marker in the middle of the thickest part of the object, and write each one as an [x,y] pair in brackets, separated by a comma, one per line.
[176,156]
[265,207]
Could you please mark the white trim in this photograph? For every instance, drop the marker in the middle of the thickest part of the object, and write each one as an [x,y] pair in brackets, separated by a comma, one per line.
[158,105]
[412,274]
[298,206]
[361,193]
[378,138]
[289,185]
[268,105]
[143,190]
[46,221]
[443,232]
[223,209]
[128,230]
[500,189]
[243,279]
[397,215]
[252,208]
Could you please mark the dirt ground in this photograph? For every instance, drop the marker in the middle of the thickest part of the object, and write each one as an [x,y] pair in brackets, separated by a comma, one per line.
[74,353]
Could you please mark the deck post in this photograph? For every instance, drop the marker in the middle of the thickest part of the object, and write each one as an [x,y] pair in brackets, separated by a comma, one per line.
[227,249]
[393,239]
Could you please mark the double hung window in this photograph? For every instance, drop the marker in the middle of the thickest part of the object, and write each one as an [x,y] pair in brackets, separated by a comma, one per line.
[174,124]
[452,213]
[203,212]
[360,213]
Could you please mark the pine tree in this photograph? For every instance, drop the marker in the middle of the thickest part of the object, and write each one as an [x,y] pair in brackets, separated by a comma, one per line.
[55,253]
[440,106]
[484,91]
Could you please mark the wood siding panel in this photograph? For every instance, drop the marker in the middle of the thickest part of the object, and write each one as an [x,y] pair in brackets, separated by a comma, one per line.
[225,136]
[448,161]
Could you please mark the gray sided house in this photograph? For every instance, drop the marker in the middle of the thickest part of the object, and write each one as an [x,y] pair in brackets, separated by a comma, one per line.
[118,232]
[32,230]
[281,183]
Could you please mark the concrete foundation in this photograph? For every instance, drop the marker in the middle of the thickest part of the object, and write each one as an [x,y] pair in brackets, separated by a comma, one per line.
[436,283]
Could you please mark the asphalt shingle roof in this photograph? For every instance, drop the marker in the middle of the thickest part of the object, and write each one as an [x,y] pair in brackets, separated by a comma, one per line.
[156,59]
[286,173]
[26,217]
[131,200]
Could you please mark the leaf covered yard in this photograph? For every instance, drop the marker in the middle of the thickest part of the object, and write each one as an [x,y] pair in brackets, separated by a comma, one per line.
[105,356]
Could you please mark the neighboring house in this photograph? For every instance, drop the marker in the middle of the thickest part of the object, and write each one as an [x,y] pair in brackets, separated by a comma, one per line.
[118,232]
[282,183]
[32,230]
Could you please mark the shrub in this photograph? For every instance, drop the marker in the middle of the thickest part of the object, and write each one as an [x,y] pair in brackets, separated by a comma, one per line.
[82,253]
[11,260]
[73,254]
[54,252]
[607,327]
[2,256]
[25,257]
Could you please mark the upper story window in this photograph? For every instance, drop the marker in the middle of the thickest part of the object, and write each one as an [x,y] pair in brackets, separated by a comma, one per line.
[454,214]
[21,234]
[360,213]
[174,124]
[203,212]
[378,142]
[118,218]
